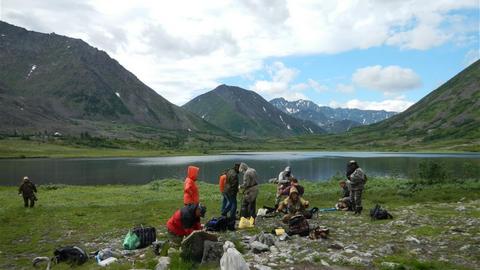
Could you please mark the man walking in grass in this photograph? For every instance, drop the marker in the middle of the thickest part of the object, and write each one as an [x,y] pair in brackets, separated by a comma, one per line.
[28,189]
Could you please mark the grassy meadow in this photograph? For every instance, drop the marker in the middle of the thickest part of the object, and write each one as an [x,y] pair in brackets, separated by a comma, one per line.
[96,217]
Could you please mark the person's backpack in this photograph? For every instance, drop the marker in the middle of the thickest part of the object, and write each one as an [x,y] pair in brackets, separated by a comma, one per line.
[377,213]
[221,182]
[298,224]
[146,235]
[70,254]
[217,224]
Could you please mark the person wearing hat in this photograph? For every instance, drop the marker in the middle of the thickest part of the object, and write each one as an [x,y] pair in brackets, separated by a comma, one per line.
[284,181]
[356,181]
[28,189]
[186,220]
[293,205]
[250,191]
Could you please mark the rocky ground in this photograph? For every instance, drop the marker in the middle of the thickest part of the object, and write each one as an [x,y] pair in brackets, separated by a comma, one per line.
[445,233]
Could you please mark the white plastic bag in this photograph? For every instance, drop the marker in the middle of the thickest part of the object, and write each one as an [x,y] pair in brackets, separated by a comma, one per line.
[232,259]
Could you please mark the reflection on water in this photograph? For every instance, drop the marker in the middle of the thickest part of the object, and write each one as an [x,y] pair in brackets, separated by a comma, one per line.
[314,166]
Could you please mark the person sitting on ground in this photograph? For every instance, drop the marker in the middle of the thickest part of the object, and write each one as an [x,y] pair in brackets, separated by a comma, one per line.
[190,189]
[250,191]
[293,183]
[186,220]
[293,205]
[283,182]
[344,203]
[28,189]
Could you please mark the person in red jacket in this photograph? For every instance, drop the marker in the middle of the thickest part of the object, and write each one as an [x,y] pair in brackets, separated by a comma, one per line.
[190,189]
[186,220]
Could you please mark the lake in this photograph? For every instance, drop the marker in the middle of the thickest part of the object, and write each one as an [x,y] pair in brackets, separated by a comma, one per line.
[313,166]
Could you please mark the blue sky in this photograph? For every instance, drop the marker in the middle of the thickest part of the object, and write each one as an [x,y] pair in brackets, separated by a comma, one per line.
[368,54]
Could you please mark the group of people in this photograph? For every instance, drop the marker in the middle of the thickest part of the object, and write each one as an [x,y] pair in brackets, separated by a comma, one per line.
[289,197]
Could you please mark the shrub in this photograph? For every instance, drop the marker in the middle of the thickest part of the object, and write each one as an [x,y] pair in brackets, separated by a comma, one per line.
[430,172]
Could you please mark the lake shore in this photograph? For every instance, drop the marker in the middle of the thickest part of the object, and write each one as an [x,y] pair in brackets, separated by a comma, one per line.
[17,148]
[442,217]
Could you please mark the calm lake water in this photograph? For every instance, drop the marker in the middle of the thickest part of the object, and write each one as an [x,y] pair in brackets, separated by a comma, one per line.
[313,166]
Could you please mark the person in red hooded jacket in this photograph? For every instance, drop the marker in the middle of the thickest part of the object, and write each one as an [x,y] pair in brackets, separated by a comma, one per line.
[186,220]
[190,189]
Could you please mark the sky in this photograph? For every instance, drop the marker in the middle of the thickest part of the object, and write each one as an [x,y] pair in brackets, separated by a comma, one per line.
[369,54]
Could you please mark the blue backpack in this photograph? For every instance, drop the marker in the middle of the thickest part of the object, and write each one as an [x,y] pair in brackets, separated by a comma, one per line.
[220,224]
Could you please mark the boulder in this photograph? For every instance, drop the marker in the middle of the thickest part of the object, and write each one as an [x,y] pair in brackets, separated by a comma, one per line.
[264,238]
[258,247]
[212,252]
[412,240]
[192,246]
[163,263]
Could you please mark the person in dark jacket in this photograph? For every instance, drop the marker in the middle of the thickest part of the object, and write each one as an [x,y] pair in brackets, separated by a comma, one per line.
[249,190]
[28,189]
[230,191]
[356,180]
[293,183]
[186,220]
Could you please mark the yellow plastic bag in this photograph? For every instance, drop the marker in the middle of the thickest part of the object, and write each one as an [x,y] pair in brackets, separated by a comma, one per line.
[246,223]
[279,231]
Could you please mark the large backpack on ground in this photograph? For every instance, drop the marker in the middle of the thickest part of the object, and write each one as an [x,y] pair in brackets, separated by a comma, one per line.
[220,224]
[298,224]
[70,254]
[147,235]
[377,213]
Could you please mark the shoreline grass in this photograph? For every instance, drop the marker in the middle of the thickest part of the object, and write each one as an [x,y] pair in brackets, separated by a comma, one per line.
[96,217]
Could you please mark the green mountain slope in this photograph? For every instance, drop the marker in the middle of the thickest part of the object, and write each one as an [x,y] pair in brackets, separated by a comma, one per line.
[52,83]
[245,113]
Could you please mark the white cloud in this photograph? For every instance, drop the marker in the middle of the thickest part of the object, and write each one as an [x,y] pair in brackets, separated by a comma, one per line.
[471,57]
[345,88]
[398,104]
[390,79]
[188,46]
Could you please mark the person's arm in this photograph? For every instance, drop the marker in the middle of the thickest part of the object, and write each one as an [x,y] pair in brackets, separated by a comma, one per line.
[34,188]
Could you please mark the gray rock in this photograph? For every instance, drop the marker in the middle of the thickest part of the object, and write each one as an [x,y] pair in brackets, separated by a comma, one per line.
[284,237]
[461,208]
[359,261]
[412,240]
[387,249]
[466,247]
[163,263]
[212,251]
[336,245]
[258,247]
[192,246]
[264,238]
[336,258]
[261,267]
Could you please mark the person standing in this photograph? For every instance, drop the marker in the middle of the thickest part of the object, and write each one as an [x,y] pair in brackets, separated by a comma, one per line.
[356,180]
[230,191]
[250,191]
[28,189]
[190,189]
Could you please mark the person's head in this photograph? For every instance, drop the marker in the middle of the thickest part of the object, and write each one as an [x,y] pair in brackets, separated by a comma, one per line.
[26,179]
[293,181]
[293,194]
[352,165]
[236,167]
[342,183]
[200,211]
[288,170]
[243,167]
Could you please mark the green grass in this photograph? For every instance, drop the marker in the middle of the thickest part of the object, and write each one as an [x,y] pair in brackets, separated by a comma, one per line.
[96,216]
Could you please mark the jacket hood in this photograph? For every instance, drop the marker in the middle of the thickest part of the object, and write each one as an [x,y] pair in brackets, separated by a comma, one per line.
[293,189]
[243,167]
[288,169]
[192,172]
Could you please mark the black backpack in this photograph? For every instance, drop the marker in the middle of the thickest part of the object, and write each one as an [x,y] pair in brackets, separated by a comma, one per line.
[378,213]
[220,224]
[147,235]
[70,254]
[298,224]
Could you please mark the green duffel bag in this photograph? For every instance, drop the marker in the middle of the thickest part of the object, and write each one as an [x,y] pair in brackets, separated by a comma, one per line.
[131,241]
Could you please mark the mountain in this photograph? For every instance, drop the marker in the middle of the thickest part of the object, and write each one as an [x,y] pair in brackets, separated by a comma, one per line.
[246,113]
[327,117]
[452,111]
[50,82]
